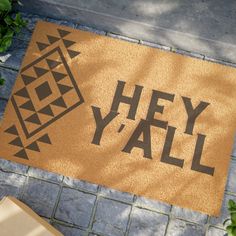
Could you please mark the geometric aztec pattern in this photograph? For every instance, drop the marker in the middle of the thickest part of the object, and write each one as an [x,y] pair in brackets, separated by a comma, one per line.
[34,146]
[48,92]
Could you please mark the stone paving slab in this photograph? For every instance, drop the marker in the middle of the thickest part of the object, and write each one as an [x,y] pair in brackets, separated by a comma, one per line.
[189,215]
[41,196]
[182,228]
[10,78]
[14,56]
[80,184]
[231,183]
[202,26]
[107,192]
[11,184]
[216,232]
[69,231]
[3,104]
[153,205]
[6,165]
[77,207]
[42,174]
[148,223]
[111,217]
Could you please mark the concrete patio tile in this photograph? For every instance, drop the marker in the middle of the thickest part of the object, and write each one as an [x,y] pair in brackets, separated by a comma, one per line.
[123,196]
[234,147]
[11,184]
[61,22]
[83,185]
[3,104]
[10,77]
[152,204]
[231,183]
[86,28]
[75,207]
[32,19]
[182,228]
[218,221]
[189,215]
[111,217]
[148,223]
[68,231]
[117,36]
[187,53]
[42,174]
[154,45]
[212,231]
[13,167]
[41,196]
[14,55]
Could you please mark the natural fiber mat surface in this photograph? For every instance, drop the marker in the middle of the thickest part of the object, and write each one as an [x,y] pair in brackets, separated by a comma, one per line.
[126,116]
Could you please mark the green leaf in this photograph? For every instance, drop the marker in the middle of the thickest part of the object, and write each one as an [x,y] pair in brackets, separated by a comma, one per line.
[229,230]
[6,41]
[233,218]
[2,81]
[5,5]
[231,204]
[8,20]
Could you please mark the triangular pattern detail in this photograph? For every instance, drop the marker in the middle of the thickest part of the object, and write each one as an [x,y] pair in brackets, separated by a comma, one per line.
[47,111]
[64,88]
[27,79]
[52,39]
[63,33]
[68,43]
[22,154]
[73,53]
[12,130]
[33,146]
[22,93]
[52,64]
[40,71]
[59,102]
[28,106]
[16,142]
[42,46]
[45,139]
[58,76]
[34,119]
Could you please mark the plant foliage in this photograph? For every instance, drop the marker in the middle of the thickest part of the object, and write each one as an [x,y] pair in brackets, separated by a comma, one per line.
[231,228]
[9,26]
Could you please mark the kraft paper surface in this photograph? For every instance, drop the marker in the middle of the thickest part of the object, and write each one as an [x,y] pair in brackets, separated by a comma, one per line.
[123,115]
[17,219]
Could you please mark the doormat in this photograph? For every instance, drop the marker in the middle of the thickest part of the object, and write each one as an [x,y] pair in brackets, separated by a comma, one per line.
[123,115]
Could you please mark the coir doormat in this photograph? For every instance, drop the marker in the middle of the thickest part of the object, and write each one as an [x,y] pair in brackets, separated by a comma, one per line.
[126,116]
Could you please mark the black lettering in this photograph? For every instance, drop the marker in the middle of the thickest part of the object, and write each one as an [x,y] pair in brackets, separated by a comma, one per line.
[143,128]
[197,157]
[154,107]
[165,157]
[193,113]
[101,123]
[132,101]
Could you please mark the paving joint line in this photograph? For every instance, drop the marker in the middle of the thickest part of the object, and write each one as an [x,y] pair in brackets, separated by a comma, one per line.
[92,218]
[129,217]
[2,65]
[24,185]
[57,200]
